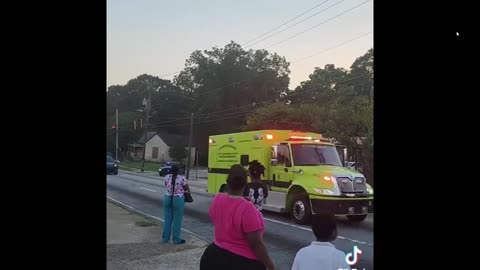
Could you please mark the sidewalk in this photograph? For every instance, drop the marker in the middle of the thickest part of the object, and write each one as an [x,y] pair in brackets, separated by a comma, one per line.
[134,243]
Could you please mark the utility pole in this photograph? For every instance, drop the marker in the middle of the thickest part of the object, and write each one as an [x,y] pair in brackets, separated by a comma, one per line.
[116,134]
[196,164]
[190,146]
[371,89]
[147,115]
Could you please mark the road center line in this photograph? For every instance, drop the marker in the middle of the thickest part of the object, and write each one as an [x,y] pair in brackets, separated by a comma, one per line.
[148,189]
[309,230]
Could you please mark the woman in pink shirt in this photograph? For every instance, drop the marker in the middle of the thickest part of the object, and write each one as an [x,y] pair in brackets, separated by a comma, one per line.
[239,230]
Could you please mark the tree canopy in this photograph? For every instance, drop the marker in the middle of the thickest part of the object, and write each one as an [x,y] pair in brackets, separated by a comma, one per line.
[231,89]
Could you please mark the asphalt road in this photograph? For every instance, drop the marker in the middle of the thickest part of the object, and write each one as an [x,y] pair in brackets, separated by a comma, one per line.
[283,237]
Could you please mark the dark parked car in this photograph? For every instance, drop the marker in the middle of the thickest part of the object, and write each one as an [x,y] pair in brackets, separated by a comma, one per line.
[166,168]
[112,166]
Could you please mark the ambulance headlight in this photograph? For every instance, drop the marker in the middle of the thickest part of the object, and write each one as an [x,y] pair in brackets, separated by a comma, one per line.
[327,191]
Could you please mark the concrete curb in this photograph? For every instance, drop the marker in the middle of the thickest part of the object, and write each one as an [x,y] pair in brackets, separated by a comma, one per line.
[132,245]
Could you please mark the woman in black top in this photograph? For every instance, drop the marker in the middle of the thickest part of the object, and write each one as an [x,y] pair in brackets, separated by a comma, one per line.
[255,191]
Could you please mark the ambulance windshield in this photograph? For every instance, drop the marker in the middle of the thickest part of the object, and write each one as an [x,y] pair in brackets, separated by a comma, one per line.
[314,155]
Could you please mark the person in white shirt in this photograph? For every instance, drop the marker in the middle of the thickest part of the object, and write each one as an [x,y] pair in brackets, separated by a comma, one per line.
[321,254]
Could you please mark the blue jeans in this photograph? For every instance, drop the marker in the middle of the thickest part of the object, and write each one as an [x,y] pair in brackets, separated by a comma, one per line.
[173,215]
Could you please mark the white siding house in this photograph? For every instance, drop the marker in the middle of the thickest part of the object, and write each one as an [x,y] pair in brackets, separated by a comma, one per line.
[158,146]
[157,149]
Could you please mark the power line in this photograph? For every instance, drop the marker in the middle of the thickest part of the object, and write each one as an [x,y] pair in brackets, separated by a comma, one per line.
[169,117]
[254,103]
[175,120]
[236,114]
[227,118]
[203,122]
[297,23]
[261,74]
[257,103]
[230,115]
[227,114]
[170,74]
[235,108]
[285,23]
[315,26]
[246,112]
[346,42]
[225,111]
[302,59]
[172,101]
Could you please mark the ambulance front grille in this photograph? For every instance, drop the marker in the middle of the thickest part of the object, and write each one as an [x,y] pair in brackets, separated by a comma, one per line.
[346,185]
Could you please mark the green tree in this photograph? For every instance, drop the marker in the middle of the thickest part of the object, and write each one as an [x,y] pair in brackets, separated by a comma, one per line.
[362,66]
[222,79]
[127,133]
[351,113]
[178,152]
[334,102]
[282,116]
[322,87]
[167,101]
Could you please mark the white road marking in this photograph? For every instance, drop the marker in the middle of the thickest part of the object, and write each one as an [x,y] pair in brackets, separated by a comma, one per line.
[288,224]
[157,218]
[268,219]
[204,239]
[148,189]
[309,230]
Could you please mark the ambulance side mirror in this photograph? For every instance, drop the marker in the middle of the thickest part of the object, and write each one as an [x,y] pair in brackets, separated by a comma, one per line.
[274,162]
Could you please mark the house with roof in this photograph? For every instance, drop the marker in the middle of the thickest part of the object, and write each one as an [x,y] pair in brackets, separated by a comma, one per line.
[157,147]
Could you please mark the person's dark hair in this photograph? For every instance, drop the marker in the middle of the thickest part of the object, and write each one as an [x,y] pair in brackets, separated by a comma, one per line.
[237,178]
[256,169]
[175,170]
[324,226]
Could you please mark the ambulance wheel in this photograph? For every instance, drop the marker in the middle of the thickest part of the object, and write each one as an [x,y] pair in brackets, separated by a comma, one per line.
[301,211]
[356,218]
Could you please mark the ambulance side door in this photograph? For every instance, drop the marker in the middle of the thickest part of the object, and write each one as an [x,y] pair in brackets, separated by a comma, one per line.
[281,167]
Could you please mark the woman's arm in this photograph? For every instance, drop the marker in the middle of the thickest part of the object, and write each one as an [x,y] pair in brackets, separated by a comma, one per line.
[186,188]
[258,246]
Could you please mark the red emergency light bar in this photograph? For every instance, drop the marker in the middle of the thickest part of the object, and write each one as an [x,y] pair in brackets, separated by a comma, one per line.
[307,138]
[300,138]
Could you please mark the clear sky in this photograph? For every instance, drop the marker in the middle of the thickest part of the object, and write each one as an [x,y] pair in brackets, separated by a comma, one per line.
[157,36]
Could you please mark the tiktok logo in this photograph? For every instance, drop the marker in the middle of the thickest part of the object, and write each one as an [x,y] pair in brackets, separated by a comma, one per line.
[352,258]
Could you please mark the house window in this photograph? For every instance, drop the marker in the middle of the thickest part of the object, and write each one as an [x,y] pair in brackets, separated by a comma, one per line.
[155,152]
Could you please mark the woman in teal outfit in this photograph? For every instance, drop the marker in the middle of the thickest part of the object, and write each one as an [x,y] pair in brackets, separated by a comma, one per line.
[173,205]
